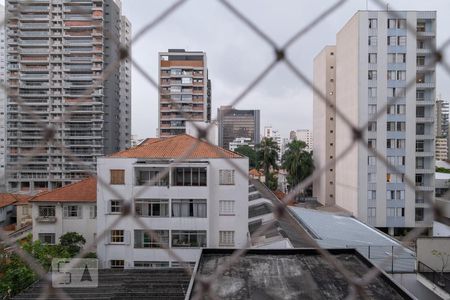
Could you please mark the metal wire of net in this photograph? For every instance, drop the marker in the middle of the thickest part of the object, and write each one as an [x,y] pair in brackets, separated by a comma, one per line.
[280,56]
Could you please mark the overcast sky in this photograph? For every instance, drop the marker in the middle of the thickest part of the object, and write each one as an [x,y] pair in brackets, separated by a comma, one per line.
[236,55]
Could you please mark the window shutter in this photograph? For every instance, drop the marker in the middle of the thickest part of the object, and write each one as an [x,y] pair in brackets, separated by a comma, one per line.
[65,211]
[80,212]
[109,206]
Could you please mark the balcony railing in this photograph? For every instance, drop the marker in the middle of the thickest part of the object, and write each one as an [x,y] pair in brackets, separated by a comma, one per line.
[46,219]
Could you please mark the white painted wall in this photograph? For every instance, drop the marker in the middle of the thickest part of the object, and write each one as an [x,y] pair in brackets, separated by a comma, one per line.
[84,225]
[213,192]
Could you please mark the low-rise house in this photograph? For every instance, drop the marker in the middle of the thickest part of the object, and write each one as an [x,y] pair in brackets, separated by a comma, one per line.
[8,209]
[184,189]
[71,208]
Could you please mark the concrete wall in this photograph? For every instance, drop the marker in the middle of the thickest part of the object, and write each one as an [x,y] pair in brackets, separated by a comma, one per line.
[425,247]
[213,223]
[84,225]
[324,124]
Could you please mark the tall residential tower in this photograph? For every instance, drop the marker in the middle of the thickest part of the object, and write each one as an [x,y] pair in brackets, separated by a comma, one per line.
[377,56]
[56,53]
[185,90]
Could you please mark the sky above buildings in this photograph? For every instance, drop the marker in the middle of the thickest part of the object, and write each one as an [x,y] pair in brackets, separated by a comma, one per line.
[236,55]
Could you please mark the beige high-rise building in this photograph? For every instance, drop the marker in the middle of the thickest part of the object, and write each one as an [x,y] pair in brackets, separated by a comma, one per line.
[376,57]
[185,90]
[324,124]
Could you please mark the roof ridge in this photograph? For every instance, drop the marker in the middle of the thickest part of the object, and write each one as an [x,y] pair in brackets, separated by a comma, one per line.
[62,188]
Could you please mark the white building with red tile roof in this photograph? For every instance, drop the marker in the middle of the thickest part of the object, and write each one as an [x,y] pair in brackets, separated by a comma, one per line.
[188,191]
[7,207]
[71,208]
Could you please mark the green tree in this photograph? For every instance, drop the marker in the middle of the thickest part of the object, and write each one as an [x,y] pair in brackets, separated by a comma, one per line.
[272,181]
[267,154]
[248,152]
[298,162]
[72,242]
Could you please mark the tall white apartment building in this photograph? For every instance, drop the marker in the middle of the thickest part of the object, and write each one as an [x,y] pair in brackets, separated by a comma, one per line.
[304,135]
[270,132]
[201,202]
[324,124]
[56,51]
[376,57]
[2,103]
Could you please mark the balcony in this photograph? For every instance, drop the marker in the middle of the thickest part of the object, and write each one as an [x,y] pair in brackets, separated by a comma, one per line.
[46,219]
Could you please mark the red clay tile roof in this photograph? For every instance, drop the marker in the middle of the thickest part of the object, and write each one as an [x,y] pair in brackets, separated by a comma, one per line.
[9,199]
[176,147]
[254,172]
[81,191]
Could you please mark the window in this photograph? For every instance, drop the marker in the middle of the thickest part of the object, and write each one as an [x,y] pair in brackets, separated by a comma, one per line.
[371,195]
[401,75]
[372,40]
[115,206]
[401,23]
[371,177]
[372,58]
[400,144]
[371,161]
[117,236]
[390,212]
[401,109]
[391,75]
[226,177]
[372,109]
[188,238]
[400,212]
[390,126]
[372,212]
[390,143]
[143,239]
[93,212]
[226,238]
[420,128]
[390,195]
[226,207]
[421,26]
[186,80]
[185,208]
[400,195]
[401,126]
[72,211]
[46,210]
[189,176]
[372,92]
[392,40]
[373,24]
[151,264]
[372,75]
[372,126]
[420,213]
[47,238]
[420,162]
[152,177]
[419,146]
[391,109]
[152,207]
[401,41]
[420,61]
[117,263]
[117,176]
[372,143]
[420,111]
[392,23]
[401,58]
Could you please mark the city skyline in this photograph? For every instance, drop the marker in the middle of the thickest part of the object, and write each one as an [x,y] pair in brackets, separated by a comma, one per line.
[232,66]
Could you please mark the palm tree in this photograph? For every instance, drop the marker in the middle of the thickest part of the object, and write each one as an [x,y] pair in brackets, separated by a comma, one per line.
[298,162]
[267,154]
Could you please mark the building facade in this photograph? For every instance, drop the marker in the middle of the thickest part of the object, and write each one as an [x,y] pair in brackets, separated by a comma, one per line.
[238,123]
[71,208]
[56,53]
[304,135]
[324,124]
[239,142]
[376,57]
[274,134]
[201,202]
[2,104]
[185,90]
[441,148]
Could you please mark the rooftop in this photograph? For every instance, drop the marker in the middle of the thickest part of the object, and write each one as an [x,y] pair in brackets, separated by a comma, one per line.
[290,274]
[179,146]
[7,199]
[81,191]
